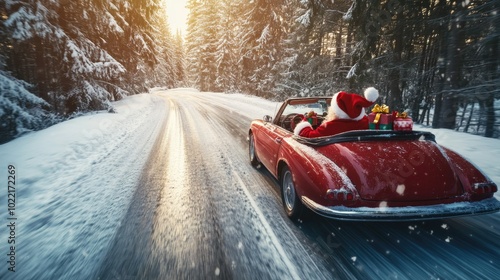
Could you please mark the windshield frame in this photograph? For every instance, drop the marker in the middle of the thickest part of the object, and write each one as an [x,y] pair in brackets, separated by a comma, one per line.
[297,102]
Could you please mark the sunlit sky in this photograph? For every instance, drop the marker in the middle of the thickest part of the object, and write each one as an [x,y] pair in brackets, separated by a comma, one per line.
[177,15]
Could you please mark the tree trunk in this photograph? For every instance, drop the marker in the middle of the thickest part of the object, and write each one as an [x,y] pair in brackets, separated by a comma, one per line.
[338,43]
[463,115]
[493,63]
[489,107]
[480,116]
[395,95]
[454,65]
[441,12]
[466,129]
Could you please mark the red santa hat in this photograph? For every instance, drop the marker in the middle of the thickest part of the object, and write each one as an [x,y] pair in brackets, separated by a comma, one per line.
[351,106]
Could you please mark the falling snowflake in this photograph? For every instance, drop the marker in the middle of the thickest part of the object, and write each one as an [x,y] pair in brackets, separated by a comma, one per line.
[401,189]
[383,204]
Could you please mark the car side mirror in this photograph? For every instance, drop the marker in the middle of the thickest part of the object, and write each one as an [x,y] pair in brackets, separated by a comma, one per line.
[267,118]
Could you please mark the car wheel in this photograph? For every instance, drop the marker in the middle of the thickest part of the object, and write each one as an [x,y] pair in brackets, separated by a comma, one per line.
[251,151]
[291,201]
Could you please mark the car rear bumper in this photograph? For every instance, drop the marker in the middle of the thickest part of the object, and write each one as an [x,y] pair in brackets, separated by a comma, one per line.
[410,213]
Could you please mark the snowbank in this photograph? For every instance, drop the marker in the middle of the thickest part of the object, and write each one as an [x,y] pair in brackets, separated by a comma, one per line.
[73,184]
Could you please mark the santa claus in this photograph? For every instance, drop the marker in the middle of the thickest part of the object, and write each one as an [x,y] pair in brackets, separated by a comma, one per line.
[347,112]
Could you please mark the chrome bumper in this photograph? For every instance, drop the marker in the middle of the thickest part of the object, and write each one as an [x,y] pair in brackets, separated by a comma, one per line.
[410,213]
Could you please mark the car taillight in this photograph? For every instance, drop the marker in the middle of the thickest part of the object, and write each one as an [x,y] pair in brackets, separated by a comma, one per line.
[340,195]
[482,188]
[350,196]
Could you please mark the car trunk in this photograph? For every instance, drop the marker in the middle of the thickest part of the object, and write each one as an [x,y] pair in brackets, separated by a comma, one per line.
[396,171]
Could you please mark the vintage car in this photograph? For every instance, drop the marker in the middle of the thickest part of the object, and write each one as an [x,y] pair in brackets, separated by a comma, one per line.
[367,175]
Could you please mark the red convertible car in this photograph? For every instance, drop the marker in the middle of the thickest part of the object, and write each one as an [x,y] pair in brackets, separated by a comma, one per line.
[369,175]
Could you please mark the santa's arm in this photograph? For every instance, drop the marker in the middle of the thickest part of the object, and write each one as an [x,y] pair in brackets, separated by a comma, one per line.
[301,126]
[305,129]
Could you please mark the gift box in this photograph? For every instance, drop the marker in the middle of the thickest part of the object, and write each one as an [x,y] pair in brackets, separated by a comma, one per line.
[380,118]
[402,122]
[313,120]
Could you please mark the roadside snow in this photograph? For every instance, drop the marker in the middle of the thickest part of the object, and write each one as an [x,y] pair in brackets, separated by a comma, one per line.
[73,184]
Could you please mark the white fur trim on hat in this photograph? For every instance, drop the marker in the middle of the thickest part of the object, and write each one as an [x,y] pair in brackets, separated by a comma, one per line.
[301,126]
[371,94]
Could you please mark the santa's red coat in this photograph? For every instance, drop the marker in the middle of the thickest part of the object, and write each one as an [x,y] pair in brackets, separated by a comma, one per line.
[332,127]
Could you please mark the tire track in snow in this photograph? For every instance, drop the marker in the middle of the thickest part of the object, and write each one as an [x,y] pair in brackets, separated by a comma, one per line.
[222,120]
[205,136]
[167,234]
[269,230]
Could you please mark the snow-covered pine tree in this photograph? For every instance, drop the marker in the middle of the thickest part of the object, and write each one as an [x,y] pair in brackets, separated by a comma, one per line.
[226,58]
[194,42]
[201,43]
[179,61]
[137,52]
[210,22]
[81,71]
[261,35]
[315,47]
[164,73]
[79,55]
[20,110]
[289,67]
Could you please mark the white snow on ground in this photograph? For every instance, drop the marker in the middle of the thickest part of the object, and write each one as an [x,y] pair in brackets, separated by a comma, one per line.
[73,184]
[74,180]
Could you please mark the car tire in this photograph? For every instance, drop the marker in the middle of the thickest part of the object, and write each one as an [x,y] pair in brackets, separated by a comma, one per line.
[291,201]
[254,161]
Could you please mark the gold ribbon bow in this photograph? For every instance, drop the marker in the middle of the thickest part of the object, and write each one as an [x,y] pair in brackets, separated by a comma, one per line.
[402,115]
[384,109]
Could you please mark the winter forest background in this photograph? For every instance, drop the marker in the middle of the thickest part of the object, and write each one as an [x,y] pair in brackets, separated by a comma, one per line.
[438,59]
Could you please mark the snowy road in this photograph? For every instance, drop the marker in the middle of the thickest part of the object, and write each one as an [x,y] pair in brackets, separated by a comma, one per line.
[169,193]
[202,211]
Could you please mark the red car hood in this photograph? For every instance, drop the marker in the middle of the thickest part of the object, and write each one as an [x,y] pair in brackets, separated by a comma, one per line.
[396,170]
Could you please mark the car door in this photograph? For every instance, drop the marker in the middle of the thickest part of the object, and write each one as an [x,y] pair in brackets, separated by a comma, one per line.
[271,142]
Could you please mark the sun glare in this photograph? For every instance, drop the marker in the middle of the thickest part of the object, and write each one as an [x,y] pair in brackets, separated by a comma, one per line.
[177,15]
